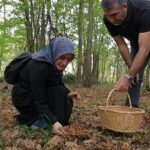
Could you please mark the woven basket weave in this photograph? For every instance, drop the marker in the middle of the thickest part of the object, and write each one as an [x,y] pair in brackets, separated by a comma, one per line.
[121,118]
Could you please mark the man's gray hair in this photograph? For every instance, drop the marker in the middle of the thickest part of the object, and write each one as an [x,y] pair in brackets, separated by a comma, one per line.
[108,4]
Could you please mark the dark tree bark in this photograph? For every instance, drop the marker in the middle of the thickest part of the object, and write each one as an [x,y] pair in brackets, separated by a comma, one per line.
[87,59]
[80,29]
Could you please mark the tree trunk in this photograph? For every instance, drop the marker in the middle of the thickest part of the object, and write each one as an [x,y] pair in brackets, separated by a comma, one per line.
[80,29]
[96,55]
[147,78]
[35,22]
[87,62]
[43,26]
[95,69]
[29,26]
[118,69]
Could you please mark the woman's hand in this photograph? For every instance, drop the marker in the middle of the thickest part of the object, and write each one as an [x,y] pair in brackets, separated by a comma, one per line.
[58,129]
[74,95]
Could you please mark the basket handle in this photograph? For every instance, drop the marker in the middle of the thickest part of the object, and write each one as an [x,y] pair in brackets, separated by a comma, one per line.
[110,93]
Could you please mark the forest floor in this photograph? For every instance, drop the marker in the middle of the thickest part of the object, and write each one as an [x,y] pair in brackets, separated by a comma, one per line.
[84,132]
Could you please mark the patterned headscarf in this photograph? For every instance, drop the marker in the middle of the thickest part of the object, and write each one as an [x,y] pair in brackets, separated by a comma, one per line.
[57,47]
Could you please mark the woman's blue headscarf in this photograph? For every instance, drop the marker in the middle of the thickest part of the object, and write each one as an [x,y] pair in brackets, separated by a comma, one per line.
[57,47]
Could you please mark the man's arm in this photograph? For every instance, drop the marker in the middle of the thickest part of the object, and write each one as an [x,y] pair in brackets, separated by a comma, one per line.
[144,49]
[123,49]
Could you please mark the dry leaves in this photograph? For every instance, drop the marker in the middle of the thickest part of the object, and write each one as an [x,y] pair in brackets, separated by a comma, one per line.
[53,143]
[83,133]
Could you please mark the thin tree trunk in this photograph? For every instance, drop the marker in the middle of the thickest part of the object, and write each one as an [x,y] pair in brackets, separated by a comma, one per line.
[117,66]
[80,29]
[147,77]
[29,26]
[87,62]
[43,26]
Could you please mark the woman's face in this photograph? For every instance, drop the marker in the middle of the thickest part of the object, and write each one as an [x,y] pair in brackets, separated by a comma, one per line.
[62,61]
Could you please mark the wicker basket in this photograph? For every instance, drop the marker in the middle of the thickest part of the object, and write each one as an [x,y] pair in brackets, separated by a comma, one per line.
[121,118]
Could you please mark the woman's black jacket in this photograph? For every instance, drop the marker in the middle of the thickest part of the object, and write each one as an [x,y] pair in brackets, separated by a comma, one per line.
[29,95]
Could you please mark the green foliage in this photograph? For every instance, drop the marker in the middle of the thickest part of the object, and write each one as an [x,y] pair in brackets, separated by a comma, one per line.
[70,78]
[47,121]
[147,88]
[12,34]
[91,103]
[2,144]
[45,133]
[1,79]
[64,18]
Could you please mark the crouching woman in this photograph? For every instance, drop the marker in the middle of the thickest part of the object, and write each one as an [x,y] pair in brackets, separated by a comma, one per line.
[40,94]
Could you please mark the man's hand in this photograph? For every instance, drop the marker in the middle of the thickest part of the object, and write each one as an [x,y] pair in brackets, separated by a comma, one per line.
[122,85]
[74,95]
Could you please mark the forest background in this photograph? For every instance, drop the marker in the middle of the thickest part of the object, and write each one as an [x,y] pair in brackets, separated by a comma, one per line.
[28,25]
